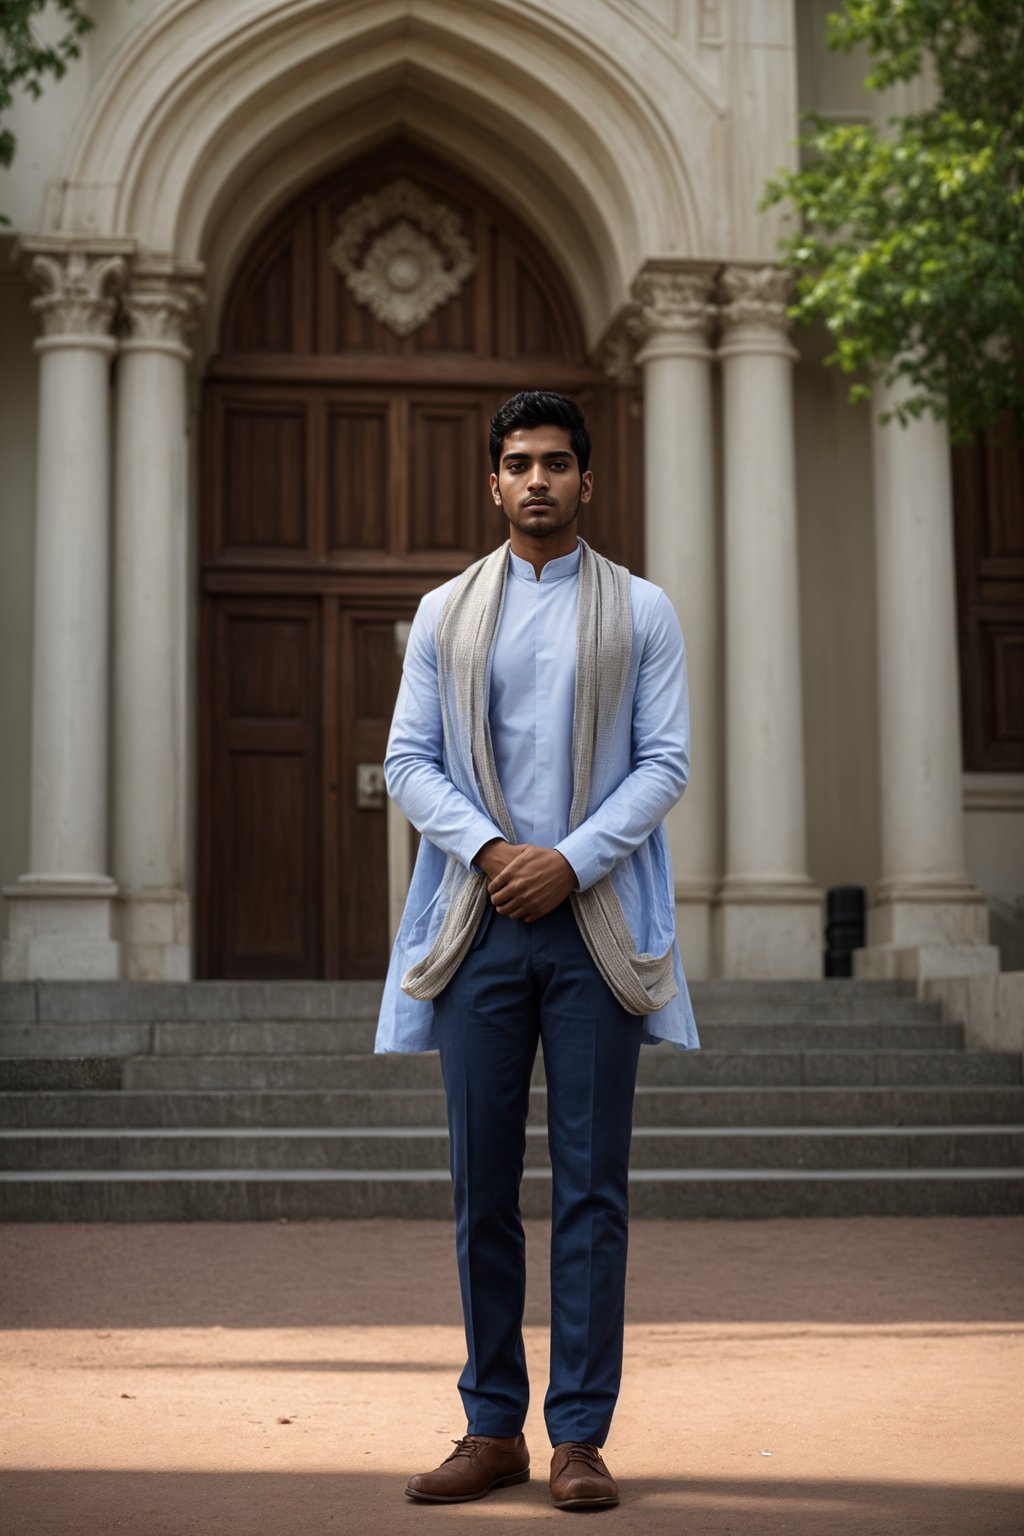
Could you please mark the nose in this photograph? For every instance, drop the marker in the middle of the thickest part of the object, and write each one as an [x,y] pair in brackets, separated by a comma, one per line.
[538,478]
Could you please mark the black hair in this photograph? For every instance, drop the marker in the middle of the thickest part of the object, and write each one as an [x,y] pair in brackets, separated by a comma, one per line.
[540,408]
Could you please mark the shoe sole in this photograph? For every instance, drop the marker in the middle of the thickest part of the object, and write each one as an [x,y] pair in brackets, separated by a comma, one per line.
[465,1498]
[605,1501]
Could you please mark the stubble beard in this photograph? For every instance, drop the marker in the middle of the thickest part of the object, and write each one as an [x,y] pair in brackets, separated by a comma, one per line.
[528,526]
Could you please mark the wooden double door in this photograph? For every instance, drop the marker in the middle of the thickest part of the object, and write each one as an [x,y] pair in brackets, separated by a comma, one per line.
[988,486]
[345,474]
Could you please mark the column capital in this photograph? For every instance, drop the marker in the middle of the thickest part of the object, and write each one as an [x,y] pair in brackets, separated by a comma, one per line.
[160,307]
[675,308]
[753,310]
[78,282]
[615,354]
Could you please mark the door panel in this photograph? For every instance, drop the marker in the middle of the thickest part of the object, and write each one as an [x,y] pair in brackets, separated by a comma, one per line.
[265,496]
[368,669]
[988,486]
[358,439]
[264,815]
[269,790]
[448,481]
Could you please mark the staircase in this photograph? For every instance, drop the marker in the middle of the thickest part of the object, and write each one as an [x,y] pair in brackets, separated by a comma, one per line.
[250,1100]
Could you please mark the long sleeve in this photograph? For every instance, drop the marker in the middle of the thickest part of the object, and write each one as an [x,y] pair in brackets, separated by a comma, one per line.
[660,753]
[414,760]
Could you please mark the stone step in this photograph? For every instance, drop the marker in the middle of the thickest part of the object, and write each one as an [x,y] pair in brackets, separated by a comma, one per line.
[355,1036]
[24,1074]
[372,1147]
[254,1100]
[759,1009]
[80,1039]
[657,1067]
[139,1002]
[313,1194]
[959,1104]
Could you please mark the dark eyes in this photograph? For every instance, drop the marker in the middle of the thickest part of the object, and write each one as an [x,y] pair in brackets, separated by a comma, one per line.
[517,466]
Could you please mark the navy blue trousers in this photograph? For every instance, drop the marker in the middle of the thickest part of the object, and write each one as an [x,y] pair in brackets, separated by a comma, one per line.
[518,983]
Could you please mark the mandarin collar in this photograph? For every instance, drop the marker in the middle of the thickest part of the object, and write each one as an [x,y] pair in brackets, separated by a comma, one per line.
[552,570]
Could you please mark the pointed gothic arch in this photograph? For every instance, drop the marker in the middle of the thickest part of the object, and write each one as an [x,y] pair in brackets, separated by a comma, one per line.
[211,116]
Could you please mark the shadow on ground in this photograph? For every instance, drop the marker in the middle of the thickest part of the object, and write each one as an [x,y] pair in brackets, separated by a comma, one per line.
[854,1377]
[256,1504]
[859,1270]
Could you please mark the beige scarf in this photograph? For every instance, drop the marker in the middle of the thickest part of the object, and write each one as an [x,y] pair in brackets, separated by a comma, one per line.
[466,629]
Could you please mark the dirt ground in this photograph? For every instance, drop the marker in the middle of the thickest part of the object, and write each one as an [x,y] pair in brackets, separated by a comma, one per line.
[815,1377]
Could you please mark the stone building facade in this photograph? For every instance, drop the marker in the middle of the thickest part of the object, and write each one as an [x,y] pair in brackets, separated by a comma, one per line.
[272,264]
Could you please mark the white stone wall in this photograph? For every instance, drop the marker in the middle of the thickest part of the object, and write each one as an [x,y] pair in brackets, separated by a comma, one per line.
[17,500]
[994,833]
[838,620]
[837,560]
[45,128]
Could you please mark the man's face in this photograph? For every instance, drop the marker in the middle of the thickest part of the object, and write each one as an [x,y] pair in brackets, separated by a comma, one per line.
[538,485]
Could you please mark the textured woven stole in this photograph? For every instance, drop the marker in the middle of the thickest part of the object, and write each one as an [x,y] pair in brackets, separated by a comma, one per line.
[466,629]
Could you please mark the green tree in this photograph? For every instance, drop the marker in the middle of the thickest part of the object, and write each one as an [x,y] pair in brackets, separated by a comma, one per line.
[911,238]
[26,58]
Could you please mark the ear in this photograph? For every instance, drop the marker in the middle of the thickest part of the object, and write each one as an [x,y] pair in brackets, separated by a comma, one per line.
[586,485]
[495,493]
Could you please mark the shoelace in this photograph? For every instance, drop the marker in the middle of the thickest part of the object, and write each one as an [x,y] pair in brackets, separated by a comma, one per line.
[467,1446]
[582,1451]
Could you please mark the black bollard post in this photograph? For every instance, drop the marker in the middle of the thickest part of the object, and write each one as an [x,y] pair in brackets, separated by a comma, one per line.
[844,931]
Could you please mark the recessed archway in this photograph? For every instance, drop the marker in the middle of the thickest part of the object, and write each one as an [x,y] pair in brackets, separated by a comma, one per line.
[213,115]
[344,474]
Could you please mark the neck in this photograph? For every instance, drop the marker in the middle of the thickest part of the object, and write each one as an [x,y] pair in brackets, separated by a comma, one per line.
[539,551]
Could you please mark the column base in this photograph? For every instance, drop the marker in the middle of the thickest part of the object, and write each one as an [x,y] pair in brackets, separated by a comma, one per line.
[769,930]
[919,962]
[917,929]
[61,929]
[909,913]
[991,1008]
[155,931]
[695,926]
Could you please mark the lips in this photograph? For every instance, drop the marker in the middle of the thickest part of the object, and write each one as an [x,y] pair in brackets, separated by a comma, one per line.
[538,504]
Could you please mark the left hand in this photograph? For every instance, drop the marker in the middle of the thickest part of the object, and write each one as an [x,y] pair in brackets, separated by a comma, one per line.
[532,884]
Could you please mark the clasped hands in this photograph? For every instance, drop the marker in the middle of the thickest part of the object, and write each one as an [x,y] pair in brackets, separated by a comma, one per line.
[524,881]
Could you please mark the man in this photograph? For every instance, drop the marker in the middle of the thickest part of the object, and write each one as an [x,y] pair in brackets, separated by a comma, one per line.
[540,736]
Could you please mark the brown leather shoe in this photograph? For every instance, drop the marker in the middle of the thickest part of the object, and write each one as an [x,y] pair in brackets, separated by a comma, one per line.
[477,1464]
[580,1479]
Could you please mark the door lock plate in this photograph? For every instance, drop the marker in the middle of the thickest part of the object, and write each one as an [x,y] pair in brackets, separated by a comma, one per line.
[370,790]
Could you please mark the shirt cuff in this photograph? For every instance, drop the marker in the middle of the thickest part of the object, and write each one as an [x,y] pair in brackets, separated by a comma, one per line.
[583,860]
[480,831]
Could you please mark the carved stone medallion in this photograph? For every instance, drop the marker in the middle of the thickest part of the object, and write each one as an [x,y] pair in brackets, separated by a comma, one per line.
[403,254]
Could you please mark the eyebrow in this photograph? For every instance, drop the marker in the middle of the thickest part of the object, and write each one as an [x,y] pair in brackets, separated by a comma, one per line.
[558,453]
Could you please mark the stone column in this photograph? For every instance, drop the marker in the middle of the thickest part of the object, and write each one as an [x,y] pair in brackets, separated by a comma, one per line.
[675,310]
[150,625]
[925,917]
[62,920]
[770,917]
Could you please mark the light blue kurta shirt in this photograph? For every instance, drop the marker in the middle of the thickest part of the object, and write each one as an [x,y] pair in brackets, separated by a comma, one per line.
[531,682]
